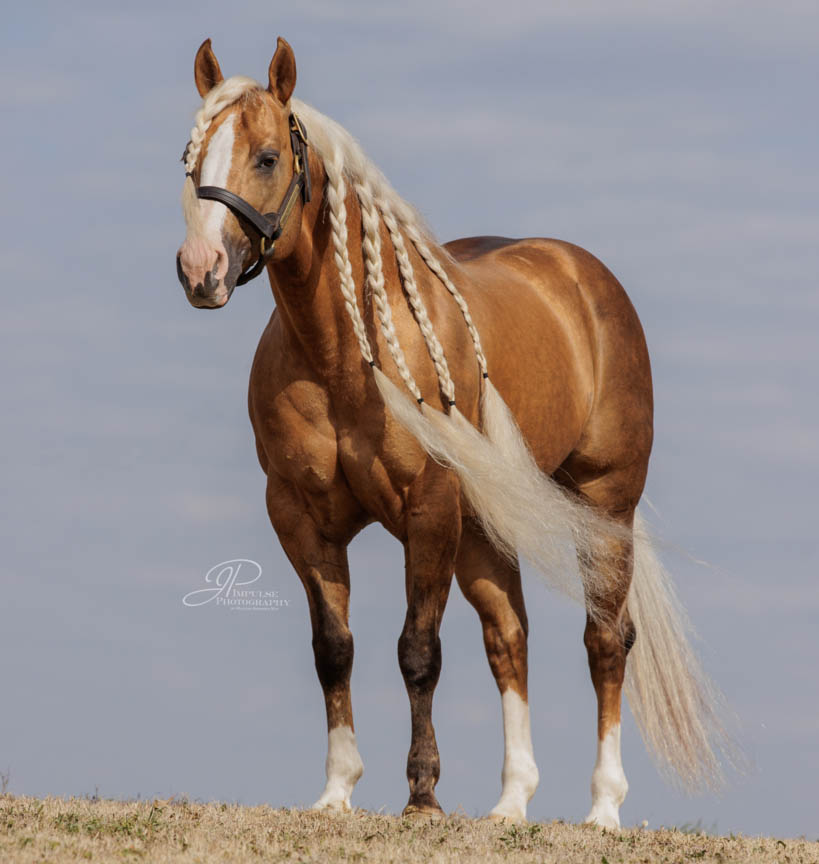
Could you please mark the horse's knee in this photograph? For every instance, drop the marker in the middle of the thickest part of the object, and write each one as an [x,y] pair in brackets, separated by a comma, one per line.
[333,650]
[419,656]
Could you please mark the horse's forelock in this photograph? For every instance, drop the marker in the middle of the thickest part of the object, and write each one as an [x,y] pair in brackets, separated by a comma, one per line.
[220,97]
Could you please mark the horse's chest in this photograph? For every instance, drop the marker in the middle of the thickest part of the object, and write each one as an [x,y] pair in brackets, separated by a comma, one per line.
[299,440]
[379,468]
[330,461]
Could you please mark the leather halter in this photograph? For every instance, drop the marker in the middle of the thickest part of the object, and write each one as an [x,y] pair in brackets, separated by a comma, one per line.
[268,226]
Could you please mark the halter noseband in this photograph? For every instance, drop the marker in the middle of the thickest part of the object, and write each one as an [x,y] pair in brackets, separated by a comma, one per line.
[270,225]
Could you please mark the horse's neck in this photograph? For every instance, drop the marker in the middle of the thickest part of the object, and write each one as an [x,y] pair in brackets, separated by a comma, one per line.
[307,289]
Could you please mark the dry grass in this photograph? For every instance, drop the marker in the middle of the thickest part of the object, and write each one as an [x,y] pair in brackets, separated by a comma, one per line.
[78,829]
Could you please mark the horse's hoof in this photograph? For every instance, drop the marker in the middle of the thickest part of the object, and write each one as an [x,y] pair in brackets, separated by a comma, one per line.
[604,816]
[423,811]
[513,818]
[331,806]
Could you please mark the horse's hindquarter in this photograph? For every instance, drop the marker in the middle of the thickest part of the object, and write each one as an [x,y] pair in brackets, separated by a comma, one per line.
[564,347]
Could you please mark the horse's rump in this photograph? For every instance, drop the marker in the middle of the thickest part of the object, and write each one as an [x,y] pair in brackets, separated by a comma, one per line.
[561,336]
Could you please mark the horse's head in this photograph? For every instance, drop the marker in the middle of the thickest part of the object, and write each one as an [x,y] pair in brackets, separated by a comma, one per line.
[244,143]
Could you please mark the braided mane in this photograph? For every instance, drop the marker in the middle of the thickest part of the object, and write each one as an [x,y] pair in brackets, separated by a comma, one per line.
[521,509]
[346,164]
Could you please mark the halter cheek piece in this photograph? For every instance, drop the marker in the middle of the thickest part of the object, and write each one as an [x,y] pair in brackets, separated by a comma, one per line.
[270,225]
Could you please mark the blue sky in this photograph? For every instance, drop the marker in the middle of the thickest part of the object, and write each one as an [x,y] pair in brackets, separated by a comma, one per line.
[675,141]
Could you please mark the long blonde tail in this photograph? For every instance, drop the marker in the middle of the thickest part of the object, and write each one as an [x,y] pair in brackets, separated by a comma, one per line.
[523,511]
[678,710]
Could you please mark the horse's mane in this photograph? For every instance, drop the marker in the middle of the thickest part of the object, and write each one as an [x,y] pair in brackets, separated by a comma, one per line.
[330,140]
[329,137]
[346,164]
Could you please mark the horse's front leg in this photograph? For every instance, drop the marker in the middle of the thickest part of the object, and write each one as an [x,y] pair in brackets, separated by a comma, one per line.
[322,567]
[433,532]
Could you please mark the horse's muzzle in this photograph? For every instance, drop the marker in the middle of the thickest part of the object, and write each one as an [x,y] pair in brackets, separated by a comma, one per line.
[211,293]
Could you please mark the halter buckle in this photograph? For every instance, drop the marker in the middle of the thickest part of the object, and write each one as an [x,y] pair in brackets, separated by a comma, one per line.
[297,127]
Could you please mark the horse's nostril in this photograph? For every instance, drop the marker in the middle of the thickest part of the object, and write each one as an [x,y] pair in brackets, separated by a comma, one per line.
[220,266]
[210,282]
[181,273]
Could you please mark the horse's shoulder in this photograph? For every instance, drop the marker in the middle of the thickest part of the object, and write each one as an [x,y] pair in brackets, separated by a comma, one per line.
[283,391]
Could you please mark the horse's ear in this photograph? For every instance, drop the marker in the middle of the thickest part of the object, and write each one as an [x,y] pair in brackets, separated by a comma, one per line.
[282,72]
[206,69]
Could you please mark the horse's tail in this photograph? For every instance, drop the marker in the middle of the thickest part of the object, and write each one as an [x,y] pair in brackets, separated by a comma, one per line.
[525,512]
[677,708]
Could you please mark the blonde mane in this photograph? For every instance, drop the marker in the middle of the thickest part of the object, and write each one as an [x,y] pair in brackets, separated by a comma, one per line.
[521,509]
[346,165]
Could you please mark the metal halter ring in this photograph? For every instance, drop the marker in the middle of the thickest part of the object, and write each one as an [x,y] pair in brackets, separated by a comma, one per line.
[261,261]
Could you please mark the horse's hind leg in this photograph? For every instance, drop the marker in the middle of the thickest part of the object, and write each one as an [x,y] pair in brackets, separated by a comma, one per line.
[492,585]
[609,636]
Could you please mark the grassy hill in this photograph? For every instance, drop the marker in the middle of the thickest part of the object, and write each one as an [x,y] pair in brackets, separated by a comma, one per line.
[79,829]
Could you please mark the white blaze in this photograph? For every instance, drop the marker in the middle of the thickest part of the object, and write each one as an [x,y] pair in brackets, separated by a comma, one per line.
[215,172]
[520,775]
[609,785]
[344,768]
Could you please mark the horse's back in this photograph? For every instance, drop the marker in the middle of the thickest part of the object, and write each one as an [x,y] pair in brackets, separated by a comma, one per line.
[553,268]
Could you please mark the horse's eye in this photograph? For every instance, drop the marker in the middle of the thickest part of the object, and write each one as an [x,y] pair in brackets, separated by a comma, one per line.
[266,160]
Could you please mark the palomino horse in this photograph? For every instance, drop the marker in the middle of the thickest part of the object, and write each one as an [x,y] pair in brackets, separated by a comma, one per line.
[352,400]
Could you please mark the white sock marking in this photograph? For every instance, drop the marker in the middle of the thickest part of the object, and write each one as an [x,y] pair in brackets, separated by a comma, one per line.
[344,768]
[215,172]
[609,785]
[520,775]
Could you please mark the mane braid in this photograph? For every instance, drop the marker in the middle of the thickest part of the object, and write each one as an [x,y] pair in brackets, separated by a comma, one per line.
[435,265]
[371,244]
[419,309]
[372,187]
[336,193]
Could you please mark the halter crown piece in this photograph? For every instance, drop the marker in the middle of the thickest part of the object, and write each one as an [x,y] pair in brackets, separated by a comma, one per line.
[268,226]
